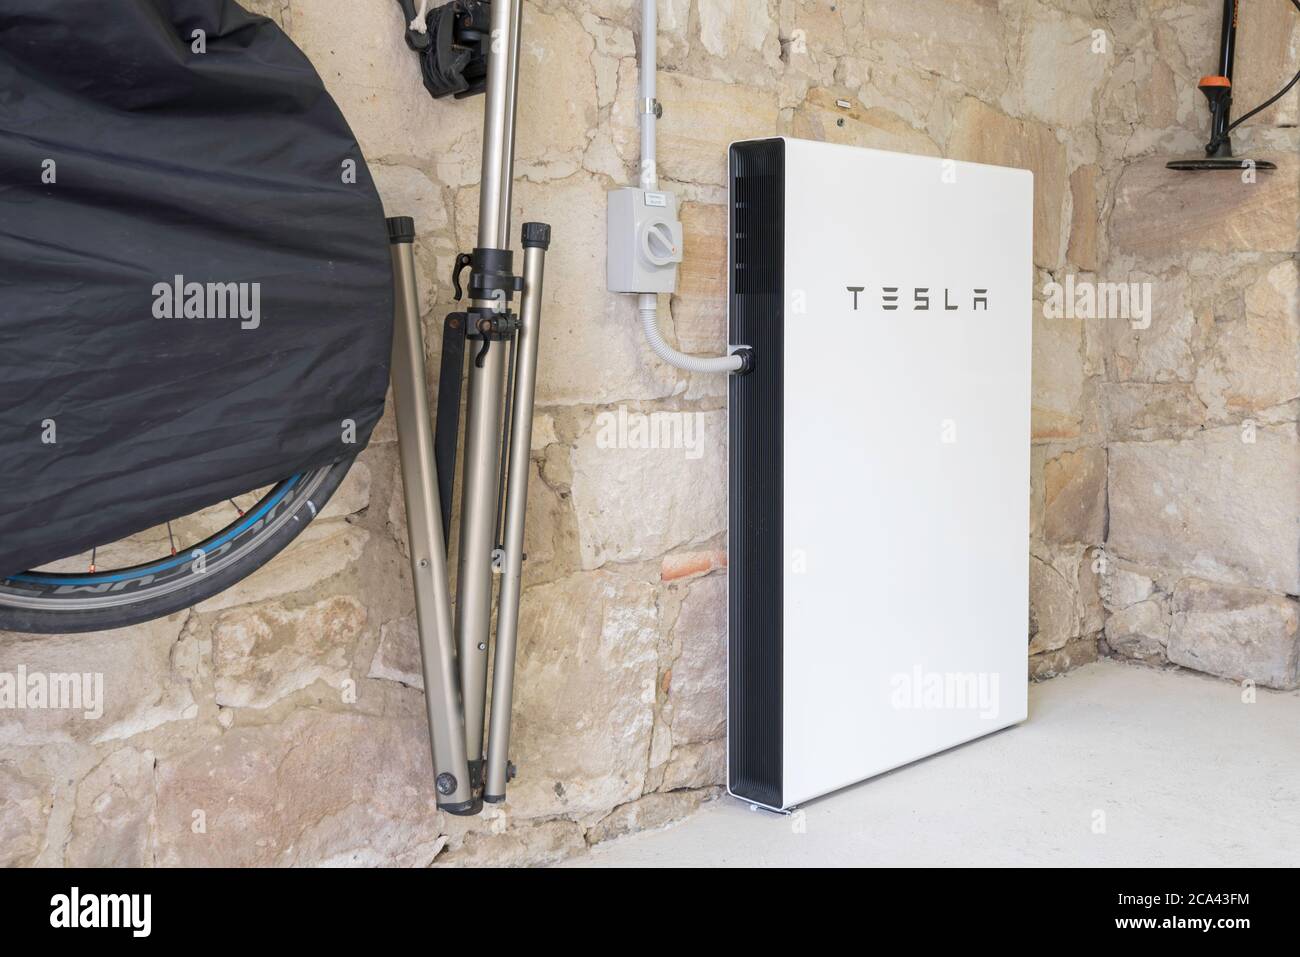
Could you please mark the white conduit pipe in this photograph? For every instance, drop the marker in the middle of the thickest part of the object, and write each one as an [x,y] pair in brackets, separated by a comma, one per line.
[649,65]
[648,303]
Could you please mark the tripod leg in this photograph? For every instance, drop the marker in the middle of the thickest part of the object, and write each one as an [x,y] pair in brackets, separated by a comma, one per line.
[536,239]
[428,551]
[479,507]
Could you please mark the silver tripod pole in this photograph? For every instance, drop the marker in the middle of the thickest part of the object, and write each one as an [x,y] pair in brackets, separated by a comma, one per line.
[479,506]
[424,523]
[536,239]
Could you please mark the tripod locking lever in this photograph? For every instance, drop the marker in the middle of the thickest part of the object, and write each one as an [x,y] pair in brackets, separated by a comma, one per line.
[463,262]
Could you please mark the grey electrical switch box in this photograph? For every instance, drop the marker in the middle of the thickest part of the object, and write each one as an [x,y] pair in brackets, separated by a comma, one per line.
[645,241]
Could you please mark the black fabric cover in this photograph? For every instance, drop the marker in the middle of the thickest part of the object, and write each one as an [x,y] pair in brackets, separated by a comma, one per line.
[225,166]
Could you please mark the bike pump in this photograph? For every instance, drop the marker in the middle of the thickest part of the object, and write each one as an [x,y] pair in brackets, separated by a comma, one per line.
[1218,95]
[466,47]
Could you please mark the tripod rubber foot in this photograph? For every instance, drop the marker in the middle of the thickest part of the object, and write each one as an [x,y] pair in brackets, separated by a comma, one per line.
[463,809]
[494,798]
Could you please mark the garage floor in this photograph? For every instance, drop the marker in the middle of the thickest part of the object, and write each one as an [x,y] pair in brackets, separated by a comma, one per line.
[1172,768]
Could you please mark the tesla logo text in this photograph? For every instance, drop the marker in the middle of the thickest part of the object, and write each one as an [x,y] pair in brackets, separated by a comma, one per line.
[920,298]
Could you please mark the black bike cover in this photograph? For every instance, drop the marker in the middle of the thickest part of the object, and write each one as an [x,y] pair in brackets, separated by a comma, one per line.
[195,282]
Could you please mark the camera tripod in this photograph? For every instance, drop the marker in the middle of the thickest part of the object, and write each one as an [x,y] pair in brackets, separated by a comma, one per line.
[467,48]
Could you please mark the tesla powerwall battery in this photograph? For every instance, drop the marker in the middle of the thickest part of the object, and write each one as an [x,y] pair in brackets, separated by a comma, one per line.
[879,476]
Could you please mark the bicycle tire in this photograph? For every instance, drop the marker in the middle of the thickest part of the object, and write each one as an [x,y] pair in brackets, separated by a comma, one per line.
[57,603]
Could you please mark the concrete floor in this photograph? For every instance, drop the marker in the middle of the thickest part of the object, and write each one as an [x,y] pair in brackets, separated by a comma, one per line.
[1183,771]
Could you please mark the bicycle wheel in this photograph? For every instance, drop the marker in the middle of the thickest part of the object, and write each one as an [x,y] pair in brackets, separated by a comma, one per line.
[52,600]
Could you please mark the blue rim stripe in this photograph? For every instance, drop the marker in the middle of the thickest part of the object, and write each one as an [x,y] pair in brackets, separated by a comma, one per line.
[249,521]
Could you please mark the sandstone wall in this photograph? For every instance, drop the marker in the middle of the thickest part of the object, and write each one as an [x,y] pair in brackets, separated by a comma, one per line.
[282,722]
[1198,411]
